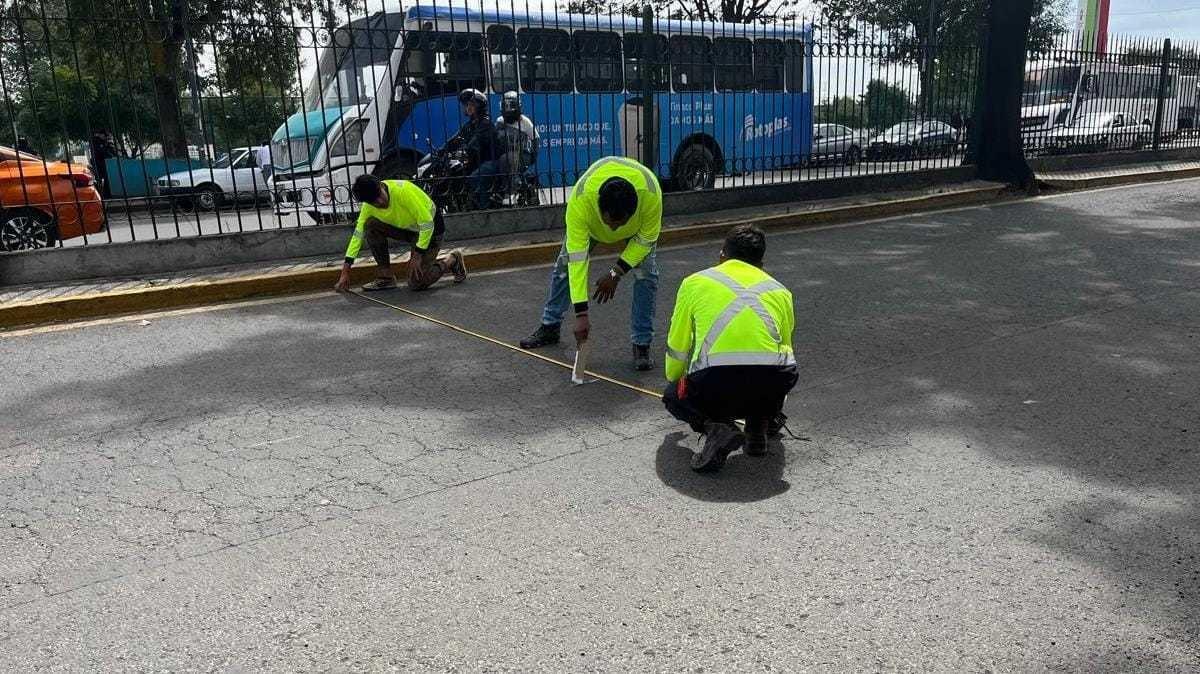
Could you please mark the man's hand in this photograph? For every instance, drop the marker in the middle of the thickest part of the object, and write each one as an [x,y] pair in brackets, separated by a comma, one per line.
[606,288]
[582,327]
[343,282]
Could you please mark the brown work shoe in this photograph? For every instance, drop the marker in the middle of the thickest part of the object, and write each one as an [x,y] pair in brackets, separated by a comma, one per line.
[458,265]
[384,283]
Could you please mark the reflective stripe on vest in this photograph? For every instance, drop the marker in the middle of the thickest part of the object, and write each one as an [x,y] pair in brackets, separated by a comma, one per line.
[744,298]
[651,182]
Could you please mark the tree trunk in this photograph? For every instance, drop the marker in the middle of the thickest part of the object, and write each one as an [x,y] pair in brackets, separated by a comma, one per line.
[1000,155]
[166,59]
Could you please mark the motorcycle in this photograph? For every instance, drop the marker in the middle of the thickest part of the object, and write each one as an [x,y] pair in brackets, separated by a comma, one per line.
[443,175]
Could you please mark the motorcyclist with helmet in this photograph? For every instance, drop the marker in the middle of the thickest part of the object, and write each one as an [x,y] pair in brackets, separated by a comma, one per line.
[477,136]
[519,144]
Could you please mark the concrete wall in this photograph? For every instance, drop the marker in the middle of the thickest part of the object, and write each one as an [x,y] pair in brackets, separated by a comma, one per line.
[1082,162]
[141,258]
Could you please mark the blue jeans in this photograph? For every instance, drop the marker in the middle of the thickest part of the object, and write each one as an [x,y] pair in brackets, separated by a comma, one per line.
[483,181]
[645,294]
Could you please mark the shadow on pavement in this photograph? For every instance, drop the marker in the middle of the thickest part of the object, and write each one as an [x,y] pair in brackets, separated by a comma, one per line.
[744,479]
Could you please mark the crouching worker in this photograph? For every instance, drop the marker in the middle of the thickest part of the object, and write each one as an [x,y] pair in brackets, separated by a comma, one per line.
[398,209]
[729,351]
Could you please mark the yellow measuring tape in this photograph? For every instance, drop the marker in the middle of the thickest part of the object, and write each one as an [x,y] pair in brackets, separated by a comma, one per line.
[637,389]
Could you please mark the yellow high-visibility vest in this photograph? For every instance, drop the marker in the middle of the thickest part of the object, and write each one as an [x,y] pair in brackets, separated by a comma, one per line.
[584,224]
[408,208]
[731,314]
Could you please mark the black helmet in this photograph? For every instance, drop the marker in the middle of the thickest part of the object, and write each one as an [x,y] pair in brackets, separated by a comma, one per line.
[474,96]
[510,107]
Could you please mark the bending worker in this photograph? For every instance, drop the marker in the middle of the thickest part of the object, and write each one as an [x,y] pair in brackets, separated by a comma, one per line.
[729,351]
[616,199]
[398,209]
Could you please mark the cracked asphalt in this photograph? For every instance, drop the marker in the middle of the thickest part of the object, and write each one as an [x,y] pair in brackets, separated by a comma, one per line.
[1001,473]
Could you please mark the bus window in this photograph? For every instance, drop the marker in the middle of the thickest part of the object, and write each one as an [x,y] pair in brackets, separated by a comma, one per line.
[634,63]
[691,63]
[597,61]
[502,56]
[794,66]
[768,65]
[732,56]
[545,59]
[442,62]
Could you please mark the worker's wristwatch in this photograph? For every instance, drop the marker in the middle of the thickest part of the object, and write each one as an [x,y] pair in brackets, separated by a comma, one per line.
[616,273]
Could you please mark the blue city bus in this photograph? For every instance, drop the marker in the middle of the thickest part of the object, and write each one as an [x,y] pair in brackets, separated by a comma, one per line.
[727,98]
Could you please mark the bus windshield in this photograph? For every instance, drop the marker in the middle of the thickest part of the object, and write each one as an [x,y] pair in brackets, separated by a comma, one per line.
[353,65]
[1050,85]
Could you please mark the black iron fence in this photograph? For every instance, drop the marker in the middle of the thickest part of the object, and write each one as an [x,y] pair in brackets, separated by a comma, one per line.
[1125,94]
[140,121]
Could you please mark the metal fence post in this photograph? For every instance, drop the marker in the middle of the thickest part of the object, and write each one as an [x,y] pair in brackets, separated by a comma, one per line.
[649,63]
[1163,73]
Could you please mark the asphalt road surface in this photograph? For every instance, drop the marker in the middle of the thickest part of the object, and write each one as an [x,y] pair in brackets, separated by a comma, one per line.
[182,222]
[1001,473]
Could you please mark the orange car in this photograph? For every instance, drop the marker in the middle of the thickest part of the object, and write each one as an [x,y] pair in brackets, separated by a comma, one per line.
[43,202]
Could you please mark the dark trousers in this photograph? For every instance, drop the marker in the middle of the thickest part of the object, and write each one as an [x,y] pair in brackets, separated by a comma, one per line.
[424,269]
[754,393]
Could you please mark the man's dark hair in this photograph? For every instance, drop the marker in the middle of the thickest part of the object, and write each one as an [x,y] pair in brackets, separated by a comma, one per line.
[618,199]
[367,188]
[746,243]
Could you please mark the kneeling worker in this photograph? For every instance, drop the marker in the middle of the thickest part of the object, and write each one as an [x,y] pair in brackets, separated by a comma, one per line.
[398,209]
[729,351]
[616,199]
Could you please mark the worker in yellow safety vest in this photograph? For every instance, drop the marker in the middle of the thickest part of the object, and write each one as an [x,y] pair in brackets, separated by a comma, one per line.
[729,351]
[616,199]
[398,209]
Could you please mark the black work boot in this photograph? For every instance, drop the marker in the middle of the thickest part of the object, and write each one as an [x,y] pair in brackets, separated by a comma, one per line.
[545,335]
[756,436]
[641,357]
[775,425]
[720,440]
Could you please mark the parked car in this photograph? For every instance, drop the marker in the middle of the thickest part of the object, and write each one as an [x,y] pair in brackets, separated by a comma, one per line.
[42,202]
[1098,131]
[231,178]
[913,139]
[834,142]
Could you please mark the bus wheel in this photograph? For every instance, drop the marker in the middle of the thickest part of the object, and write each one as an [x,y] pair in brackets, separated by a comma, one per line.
[695,170]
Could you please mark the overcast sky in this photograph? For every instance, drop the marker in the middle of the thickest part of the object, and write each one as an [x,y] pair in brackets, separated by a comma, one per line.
[1176,19]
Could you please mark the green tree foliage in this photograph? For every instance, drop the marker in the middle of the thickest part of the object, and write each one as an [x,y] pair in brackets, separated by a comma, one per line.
[880,106]
[903,25]
[844,110]
[729,11]
[885,104]
[1186,60]
[134,60]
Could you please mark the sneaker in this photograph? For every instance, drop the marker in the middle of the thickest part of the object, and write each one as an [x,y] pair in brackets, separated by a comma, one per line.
[380,284]
[458,265]
[720,441]
[756,436]
[641,357]
[545,335]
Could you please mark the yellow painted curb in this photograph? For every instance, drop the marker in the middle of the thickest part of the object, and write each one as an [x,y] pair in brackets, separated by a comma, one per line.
[96,305]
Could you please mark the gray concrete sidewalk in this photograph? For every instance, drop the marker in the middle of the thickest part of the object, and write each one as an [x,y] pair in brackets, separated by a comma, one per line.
[1001,474]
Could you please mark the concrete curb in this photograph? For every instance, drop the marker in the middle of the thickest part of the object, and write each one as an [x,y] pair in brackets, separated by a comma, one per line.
[1076,184]
[96,305]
